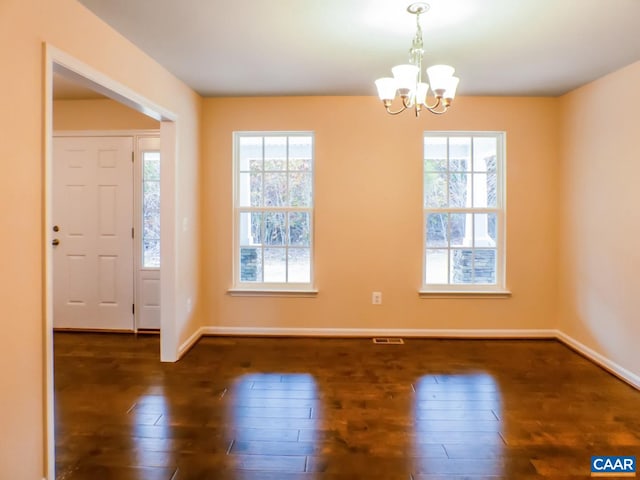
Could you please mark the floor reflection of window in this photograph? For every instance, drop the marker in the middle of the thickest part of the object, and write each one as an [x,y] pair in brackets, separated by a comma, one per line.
[151,426]
[457,425]
[273,420]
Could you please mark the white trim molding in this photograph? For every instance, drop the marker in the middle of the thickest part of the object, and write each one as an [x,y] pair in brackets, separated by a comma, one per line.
[379,332]
[248,292]
[600,360]
[474,294]
[190,342]
[107,133]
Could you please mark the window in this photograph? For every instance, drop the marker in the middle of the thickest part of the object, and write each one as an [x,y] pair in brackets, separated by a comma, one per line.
[464,212]
[151,209]
[273,203]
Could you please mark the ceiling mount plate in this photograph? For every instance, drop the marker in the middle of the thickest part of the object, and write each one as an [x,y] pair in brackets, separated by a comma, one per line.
[418,8]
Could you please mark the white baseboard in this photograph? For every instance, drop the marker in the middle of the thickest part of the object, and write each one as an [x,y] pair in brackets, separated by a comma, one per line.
[379,332]
[609,365]
[190,342]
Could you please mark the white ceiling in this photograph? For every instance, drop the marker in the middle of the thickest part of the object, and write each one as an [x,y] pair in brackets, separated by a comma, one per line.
[339,47]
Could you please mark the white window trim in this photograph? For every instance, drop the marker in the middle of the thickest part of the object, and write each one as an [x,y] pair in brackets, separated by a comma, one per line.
[499,290]
[266,288]
[263,292]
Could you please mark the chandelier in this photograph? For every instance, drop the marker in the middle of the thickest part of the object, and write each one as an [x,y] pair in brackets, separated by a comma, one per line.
[407,79]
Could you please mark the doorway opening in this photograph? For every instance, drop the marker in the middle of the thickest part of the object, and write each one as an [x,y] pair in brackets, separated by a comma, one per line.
[62,64]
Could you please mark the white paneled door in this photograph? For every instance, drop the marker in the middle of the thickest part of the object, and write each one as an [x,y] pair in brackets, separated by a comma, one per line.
[92,231]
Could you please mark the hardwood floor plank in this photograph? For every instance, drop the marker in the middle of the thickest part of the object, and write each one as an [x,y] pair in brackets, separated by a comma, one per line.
[456,414]
[274,448]
[266,434]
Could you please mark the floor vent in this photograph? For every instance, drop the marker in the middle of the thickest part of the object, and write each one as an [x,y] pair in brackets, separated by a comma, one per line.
[388,341]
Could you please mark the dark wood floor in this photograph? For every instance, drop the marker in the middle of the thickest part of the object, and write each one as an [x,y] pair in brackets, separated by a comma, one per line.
[335,409]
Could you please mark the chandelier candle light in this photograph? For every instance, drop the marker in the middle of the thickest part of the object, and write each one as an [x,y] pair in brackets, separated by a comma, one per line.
[407,79]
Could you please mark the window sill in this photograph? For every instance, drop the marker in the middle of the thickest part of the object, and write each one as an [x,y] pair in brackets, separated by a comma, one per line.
[249,292]
[464,293]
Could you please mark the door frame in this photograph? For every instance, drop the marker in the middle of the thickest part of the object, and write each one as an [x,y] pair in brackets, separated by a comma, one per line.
[62,62]
[136,205]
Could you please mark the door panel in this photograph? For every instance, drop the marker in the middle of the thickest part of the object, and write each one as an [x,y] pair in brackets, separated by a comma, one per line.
[93,209]
[149,299]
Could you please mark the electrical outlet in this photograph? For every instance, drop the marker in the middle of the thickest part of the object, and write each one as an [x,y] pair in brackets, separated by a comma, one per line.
[189,305]
[376,298]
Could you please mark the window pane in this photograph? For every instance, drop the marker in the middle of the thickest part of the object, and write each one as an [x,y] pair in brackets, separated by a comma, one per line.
[435,154]
[275,265]
[275,164]
[151,253]
[484,190]
[300,164]
[300,189]
[250,153]
[480,190]
[299,265]
[300,153]
[275,153]
[431,165]
[437,229]
[250,265]
[436,266]
[460,225]
[299,229]
[152,190]
[150,209]
[250,190]
[460,154]
[459,194]
[151,166]
[274,228]
[461,266]
[275,189]
[151,224]
[484,266]
[493,226]
[484,154]
[485,230]
[250,228]
[435,190]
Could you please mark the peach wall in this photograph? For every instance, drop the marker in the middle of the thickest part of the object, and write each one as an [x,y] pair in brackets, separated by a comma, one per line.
[99,114]
[24,26]
[600,223]
[368,214]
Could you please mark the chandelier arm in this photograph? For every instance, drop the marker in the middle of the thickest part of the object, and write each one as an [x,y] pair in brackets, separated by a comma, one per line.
[437,112]
[441,106]
[437,103]
[391,112]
